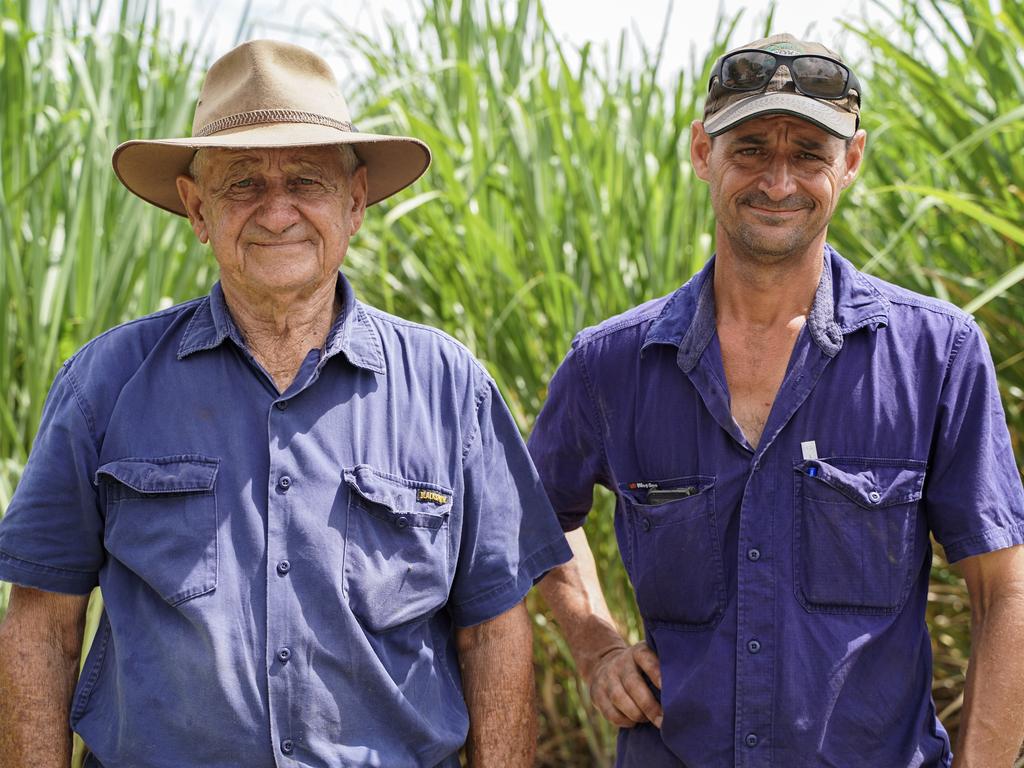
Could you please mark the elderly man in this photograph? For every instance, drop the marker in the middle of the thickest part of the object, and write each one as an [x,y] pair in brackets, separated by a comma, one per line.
[313,523]
[782,434]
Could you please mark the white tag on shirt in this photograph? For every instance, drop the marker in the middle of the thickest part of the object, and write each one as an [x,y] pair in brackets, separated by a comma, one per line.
[809,449]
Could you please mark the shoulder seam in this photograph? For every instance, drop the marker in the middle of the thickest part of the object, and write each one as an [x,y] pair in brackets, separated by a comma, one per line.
[478,398]
[930,304]
[387,317]
[586,336]
[598,421]
[82,403]
[958,344]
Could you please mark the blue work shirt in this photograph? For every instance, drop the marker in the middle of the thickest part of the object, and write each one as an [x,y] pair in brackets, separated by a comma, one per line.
[282,573]
[785,594]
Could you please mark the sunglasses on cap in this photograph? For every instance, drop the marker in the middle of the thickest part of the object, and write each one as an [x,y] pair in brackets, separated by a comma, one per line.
[819,77]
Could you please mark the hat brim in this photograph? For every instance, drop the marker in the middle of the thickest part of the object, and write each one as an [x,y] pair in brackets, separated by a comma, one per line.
[824,115]
[149,168]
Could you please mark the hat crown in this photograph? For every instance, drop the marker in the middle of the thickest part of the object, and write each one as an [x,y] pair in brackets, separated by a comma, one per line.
[262,75]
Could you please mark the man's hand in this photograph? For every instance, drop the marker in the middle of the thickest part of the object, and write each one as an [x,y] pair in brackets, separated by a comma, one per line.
[620,691]
[40,643]
[497,679]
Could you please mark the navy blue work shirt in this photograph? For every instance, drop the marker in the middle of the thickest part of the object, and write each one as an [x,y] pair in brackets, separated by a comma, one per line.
[785,594]
[282,573]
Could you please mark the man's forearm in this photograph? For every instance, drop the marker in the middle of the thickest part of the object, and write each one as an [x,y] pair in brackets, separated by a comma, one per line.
[992,723]
[618,675]
[497,679]
[573,593]
[38,669]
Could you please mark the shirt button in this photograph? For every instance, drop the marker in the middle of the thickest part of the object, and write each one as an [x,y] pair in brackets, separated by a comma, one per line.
[751,740]
[284,654]
[646,524]
[281,405]
[875,497]
[283,567]
[402,522]
[754,646]
[753,555]
[285,483]
[288,746]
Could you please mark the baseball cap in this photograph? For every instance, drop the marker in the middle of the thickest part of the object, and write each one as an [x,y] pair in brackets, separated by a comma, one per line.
[816,70]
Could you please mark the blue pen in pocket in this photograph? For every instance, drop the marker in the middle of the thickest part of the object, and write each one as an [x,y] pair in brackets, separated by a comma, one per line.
[812,471]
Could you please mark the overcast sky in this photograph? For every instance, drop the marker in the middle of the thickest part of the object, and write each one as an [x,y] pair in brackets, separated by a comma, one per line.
[575,21]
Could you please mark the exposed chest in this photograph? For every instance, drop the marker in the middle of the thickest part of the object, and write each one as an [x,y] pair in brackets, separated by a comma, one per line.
[755,364]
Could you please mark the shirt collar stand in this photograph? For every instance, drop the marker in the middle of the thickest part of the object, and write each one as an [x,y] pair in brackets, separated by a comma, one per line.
[844,301]
[352,332]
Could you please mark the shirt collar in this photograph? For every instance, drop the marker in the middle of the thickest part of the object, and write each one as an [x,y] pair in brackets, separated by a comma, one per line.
[352,333]
[844,302]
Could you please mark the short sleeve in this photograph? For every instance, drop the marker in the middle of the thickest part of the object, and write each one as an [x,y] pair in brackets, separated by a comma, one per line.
[973,493]
[51,537]
[510,535]
[566,444]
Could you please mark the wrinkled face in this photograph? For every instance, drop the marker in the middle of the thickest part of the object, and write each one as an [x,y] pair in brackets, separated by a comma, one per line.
[278,220]
[775,183]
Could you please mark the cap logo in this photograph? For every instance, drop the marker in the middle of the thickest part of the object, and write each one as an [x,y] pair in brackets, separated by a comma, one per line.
[783,48]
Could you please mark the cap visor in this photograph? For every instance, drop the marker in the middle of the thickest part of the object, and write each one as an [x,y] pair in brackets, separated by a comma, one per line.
[837,122]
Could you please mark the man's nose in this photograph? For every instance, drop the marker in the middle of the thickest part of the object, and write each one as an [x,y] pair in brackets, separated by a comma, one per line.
[277,211]
[777,178]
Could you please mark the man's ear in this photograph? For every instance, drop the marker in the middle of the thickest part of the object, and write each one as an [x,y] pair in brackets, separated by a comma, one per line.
[358,189]
[854,156]
[189,192]
[700,149]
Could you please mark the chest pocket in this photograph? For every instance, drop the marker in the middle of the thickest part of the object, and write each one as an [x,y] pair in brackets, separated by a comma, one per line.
[855,533]
[677,568]
[162,522]
[396,548]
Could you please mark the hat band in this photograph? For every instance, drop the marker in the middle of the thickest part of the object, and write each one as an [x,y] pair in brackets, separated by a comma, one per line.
[261,116]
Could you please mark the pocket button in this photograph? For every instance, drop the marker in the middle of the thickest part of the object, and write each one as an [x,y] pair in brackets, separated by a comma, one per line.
[402,522]
[645,524]
[875,497]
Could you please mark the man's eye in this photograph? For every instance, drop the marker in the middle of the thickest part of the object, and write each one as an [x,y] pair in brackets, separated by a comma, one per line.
[243,184]
[307,182]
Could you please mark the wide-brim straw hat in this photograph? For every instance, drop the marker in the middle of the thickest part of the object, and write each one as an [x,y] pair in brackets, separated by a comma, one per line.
[266,94]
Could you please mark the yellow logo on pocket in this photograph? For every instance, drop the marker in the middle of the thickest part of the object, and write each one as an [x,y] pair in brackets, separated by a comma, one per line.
[433,496]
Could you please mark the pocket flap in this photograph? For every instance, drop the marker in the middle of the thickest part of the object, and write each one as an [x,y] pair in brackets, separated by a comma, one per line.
[167,474]
[396,493]
[873,485]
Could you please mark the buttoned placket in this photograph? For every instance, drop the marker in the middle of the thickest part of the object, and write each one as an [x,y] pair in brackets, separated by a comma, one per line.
[285,667]
[757,632]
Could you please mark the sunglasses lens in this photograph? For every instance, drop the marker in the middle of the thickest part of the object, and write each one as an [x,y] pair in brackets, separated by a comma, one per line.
[747,70]
[819,77]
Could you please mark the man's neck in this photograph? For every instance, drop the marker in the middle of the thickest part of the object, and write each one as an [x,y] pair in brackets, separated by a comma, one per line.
[762,293]
[280,329]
